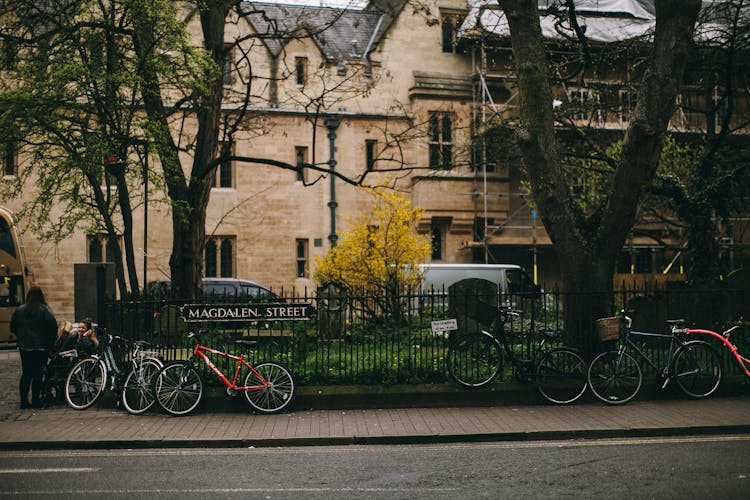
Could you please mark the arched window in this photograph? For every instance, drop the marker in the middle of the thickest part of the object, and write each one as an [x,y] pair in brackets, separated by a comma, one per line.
[219,257]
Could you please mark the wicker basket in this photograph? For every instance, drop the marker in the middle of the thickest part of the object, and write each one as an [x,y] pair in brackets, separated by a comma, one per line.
[608,328]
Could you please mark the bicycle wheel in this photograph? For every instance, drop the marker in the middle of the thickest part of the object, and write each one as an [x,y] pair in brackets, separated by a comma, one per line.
[178,388]
[696,368]
[85,383]
[614,378]
[279,392]
[138,389]
[474,359]
[561,376]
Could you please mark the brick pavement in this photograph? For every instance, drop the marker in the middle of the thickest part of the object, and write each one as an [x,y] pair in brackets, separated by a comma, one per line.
[234,425]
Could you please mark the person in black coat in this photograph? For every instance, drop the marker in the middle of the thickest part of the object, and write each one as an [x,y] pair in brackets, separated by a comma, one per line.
[35,328]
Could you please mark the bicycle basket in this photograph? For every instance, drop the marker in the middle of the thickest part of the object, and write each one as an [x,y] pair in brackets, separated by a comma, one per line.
[608,328]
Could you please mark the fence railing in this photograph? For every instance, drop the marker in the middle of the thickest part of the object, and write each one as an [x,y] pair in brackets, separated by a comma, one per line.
[353,340]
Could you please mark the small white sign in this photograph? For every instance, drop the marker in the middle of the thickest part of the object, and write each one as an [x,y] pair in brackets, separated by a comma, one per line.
[444,325]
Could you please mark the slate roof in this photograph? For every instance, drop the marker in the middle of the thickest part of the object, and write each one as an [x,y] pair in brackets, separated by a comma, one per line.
[351,32]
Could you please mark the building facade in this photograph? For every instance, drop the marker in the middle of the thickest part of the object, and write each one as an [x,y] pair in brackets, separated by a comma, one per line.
[403,93]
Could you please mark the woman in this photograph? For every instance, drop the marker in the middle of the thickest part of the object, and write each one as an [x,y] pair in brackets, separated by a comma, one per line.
[35,328]
[87,342]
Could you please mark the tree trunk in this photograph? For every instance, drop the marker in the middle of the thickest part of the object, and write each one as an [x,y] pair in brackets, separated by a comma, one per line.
[587,245]
[189,197]
[587,294]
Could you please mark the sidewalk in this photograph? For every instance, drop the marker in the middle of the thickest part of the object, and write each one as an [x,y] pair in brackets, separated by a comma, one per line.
[221,423]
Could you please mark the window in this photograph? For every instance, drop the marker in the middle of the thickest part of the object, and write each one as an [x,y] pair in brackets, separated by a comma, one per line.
[441,141]
[438,229]
[579,103]
[690,111]
[302,257]
[300,159]
[450,25]
[256,292]
[100,249]
[437,243]
[10,159]
[224,176]
[219,257]
[627,105]
[480,223]
[370,153]
[636,261]
[300,70]
[643,260]
[228,69]
[586,105]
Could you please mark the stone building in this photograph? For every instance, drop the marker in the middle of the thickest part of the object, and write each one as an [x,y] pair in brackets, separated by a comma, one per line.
[405,87]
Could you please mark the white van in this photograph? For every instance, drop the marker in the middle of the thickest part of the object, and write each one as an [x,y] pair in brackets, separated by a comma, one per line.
[509,278]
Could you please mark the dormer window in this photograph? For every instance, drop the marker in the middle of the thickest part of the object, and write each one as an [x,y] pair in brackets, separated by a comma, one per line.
[300,70]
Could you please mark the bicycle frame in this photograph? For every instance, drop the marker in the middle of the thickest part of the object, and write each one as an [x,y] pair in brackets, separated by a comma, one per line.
[112,371]
[201,351]
[743,361]
[628,344]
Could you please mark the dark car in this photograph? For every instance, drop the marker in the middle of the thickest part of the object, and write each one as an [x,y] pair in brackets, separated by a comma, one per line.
[216,289]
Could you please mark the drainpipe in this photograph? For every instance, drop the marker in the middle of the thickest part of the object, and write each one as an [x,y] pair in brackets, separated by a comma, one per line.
[332,123]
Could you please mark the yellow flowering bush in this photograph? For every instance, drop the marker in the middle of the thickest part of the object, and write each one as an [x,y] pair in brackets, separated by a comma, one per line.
[378,256]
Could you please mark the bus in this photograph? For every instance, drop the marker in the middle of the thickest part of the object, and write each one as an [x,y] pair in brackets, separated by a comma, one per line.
[14,274]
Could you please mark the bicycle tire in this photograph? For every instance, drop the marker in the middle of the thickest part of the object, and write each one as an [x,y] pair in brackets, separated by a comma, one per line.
[615,379]
[178,388]
[138,389]
[696,369]
[474,360]
[85,383]
[561,376]
[278,395]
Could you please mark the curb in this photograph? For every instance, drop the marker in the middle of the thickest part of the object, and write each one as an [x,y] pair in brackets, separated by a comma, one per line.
[508,437]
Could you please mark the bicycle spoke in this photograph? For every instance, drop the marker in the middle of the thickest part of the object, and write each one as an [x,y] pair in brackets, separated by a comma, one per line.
[474,360]
[278,391]
[561,376]
[614,378]
[697,369]
[178,389]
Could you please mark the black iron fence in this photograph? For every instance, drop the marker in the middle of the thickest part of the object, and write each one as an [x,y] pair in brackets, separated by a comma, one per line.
[359,339]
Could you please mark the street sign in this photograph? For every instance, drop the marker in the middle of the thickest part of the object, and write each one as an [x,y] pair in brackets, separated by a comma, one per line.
[444,325]
[246,312]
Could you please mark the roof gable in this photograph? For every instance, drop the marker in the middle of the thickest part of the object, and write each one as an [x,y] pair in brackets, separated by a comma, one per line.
[338,33]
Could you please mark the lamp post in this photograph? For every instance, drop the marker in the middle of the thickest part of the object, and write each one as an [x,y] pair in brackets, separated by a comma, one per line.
[145,214]
[332,123]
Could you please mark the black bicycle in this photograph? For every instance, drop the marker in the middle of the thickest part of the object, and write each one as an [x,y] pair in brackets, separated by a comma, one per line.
[615,376]
[475,359]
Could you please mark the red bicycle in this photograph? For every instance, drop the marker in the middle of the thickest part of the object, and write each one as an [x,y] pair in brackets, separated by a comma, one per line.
[178,387]
[724,338]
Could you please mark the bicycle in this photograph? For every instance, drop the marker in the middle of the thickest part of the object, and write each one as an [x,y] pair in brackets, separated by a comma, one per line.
[724,338]
[475,359]
[55,372]
[615,376]
[87,379]
[178,387]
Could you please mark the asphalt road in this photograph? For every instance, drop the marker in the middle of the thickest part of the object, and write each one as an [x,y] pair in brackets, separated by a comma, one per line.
[664,468]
